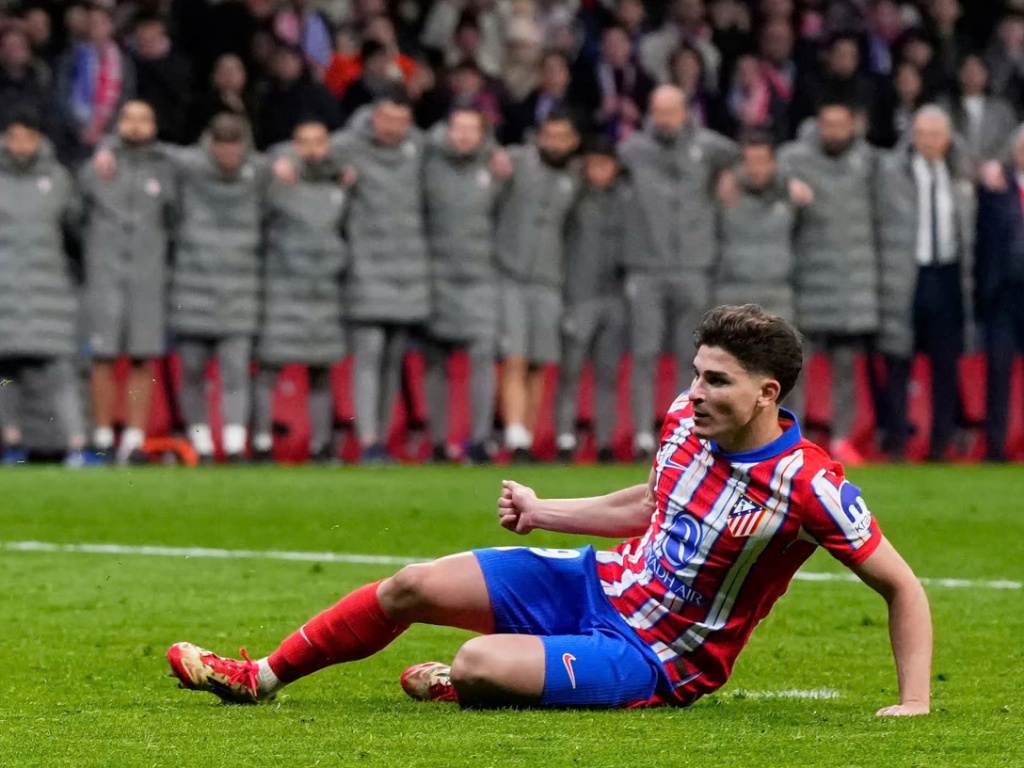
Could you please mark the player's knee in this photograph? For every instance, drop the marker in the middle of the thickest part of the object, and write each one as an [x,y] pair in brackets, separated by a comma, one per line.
[404,596]
[472,669]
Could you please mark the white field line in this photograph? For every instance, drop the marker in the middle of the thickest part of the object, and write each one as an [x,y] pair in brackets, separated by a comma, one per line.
[354,558]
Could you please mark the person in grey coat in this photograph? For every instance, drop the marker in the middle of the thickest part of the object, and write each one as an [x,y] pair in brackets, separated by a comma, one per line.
[460,193]
[387,290]
[38,306]
[674,168]
[127,220]
[755,231]
[594,322]
[306,257]
[926,217]
[983,120]
[530,241]
[836,258]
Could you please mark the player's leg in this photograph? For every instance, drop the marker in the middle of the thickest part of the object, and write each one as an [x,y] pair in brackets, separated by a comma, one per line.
[544,347]
[104,404]
[321,413]
[435,387]
[194,354]
[138,403]
[450,591]
[263,386]
[396,341]
[576,336]
[59,377]
[514,348]
[647,312]
[368,351]
[482,386]
[842,354]
[234,354]
[608,348]
[10,411]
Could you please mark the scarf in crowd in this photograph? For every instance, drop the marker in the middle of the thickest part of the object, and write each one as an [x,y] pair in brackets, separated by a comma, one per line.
[96,84]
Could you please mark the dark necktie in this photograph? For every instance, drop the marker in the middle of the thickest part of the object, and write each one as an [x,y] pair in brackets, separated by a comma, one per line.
[934,205]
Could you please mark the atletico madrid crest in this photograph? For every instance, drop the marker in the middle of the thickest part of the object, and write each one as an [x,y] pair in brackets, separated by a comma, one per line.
[747,518]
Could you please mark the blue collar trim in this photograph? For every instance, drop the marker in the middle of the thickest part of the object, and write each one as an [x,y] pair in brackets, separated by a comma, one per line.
[784,442]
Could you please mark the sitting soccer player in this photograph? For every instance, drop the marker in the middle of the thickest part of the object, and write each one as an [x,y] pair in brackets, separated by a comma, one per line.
[737,500]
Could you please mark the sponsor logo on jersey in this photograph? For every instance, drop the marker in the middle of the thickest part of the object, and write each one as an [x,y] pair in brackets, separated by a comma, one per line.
[746,518]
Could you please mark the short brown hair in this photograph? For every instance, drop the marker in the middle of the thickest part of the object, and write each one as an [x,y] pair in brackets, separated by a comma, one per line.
[762,342]
[228,128]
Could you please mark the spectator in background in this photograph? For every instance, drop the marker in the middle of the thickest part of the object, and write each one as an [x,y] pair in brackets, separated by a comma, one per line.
[400,66]
[1005,59]
[918,49]
[228,92]
[215,281]
[376,79]
[884,28]
[25,82]
[302,287]
[94,79]
[457,30]
[984,121]
[616,89]
[301,25]
[673,168]
[925,210]
[128,218]
[594,324]
[631,15]
[38,26]
[37,299]
[523,54]
[529,245]
[952,44]
[523,118]
[999,285]
[703,107]
[163,78]
[686,25]
[836,278]
[895,108]
[468,88]
[430,103]
[751,103]
[345,65]
[730,34]
[780,74]
[292,95]
[840,79]
[460,196]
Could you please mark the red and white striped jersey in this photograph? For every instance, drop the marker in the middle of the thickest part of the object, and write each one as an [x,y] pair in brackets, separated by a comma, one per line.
[727,535]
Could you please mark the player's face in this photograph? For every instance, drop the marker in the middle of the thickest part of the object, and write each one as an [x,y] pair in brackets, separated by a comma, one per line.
[466,132]
[22,143]
[312,143]
[600,170]
[228,155]
[137,124]
[391,123]
[725,396]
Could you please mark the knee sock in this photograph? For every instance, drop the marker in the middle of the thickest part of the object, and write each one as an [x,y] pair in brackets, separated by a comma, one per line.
[352,629]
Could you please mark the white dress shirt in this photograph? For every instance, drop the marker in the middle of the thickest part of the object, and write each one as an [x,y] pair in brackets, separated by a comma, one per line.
[947,250]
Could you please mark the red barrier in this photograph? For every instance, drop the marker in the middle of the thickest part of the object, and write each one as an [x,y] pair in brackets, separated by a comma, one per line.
[292,420]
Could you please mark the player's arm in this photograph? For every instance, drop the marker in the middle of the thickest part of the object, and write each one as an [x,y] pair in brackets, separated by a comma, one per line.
[617,515]
[910,626]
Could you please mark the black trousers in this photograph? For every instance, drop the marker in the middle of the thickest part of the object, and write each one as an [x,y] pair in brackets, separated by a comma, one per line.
[1004,338]
[939,334]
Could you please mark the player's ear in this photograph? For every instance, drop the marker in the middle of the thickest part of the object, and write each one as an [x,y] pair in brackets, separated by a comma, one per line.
[770,390]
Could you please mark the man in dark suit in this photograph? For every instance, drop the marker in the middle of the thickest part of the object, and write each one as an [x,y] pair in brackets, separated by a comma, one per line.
[999,281]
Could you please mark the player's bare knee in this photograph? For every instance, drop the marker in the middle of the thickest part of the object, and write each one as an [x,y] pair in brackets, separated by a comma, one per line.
[406,595]
[472,667]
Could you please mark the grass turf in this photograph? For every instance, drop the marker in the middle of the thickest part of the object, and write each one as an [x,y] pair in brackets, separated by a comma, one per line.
[84,634]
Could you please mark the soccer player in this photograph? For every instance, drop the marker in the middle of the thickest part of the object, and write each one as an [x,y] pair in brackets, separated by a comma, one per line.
[736,501]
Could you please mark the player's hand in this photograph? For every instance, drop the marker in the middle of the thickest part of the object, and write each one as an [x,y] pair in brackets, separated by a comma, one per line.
[105,164]
[910,709]
[991,176]
[501,164]
[515,507]
[728,189]
[800,193]
[284,171]
[348,177]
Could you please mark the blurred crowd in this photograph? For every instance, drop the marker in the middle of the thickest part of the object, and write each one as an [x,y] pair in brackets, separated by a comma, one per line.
[534,182]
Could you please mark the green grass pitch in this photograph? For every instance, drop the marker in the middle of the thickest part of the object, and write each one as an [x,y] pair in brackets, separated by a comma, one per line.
[82,635]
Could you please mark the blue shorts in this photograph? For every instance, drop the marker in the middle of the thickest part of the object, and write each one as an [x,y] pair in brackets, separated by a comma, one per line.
[593,658]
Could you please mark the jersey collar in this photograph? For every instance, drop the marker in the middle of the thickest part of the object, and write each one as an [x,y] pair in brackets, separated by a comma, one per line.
[784,442]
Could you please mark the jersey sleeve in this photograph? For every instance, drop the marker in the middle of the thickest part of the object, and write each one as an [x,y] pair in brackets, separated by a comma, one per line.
[835,514]
[679,411]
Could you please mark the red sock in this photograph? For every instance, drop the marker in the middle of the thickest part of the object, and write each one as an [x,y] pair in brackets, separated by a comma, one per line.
[352,629]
